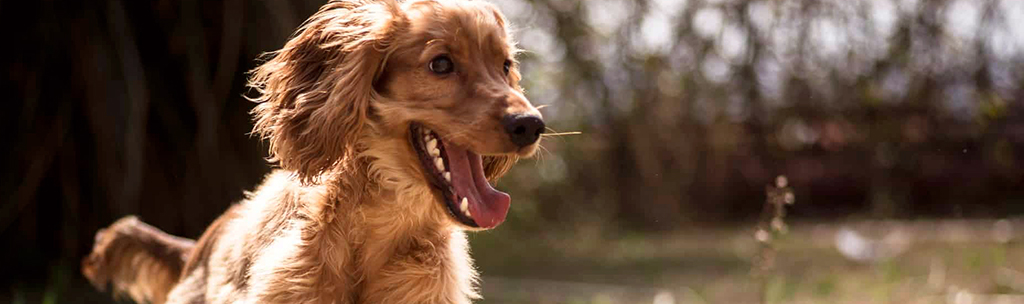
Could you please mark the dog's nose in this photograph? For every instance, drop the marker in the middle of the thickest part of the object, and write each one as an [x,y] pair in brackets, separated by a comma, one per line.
[523,129]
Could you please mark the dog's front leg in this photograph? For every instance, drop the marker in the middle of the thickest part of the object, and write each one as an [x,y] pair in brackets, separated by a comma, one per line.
[296,269]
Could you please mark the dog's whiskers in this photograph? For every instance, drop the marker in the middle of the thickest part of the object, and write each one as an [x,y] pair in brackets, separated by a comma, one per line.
[540,156]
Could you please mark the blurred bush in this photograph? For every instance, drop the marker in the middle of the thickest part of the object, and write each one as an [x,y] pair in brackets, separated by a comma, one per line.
[688,108]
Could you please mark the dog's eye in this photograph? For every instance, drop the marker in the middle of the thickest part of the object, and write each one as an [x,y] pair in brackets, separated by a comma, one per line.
[441,65]
[508,66]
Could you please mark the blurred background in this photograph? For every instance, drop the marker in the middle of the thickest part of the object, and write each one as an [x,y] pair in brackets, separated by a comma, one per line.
[898,125]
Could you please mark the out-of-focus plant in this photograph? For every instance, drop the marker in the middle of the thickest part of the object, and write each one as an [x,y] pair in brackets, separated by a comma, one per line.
[771,227]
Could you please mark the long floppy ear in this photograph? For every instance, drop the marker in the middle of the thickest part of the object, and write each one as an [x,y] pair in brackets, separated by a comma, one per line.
[315,93]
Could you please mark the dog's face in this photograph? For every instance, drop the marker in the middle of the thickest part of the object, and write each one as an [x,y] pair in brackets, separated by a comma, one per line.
[455,73]
[435,81]
[451,87]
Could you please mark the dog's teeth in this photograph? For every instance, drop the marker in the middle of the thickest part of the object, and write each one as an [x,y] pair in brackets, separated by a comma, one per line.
[439,164]
[465,207]
[448,176]
[435,152]
[431,144]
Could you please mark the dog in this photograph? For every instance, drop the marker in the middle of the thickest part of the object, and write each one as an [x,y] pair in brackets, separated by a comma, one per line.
[389,121]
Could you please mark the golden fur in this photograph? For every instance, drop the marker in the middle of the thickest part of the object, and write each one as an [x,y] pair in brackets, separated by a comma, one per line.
[349,217]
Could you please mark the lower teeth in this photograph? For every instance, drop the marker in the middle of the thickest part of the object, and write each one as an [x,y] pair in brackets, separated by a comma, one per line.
[465,206]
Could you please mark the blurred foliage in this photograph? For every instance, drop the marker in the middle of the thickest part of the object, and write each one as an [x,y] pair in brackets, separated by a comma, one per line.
[688,108]
[882,108]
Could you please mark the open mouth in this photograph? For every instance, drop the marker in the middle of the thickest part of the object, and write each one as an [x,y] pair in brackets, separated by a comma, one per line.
[459,176]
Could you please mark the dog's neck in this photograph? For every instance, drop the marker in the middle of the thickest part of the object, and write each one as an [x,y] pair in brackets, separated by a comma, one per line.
[390,226]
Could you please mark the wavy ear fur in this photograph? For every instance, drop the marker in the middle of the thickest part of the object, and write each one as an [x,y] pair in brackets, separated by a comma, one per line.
[314,93]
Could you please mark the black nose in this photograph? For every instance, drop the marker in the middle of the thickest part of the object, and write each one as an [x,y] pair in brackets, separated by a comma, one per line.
[523,129]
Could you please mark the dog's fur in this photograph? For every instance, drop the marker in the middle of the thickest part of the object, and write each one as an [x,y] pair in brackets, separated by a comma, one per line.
[349,217]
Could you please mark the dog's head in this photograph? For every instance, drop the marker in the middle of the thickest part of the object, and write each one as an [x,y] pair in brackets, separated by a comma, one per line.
[427,89]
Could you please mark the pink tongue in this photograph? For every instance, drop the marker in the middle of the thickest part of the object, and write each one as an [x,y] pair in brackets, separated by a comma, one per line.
[487,206]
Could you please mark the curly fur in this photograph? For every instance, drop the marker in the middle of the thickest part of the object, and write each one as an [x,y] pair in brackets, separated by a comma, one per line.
[350,217]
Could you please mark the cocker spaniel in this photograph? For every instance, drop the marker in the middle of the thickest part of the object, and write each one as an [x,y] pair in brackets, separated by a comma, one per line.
[389,121]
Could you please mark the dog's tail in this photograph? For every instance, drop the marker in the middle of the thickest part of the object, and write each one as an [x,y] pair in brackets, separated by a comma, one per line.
[139,260]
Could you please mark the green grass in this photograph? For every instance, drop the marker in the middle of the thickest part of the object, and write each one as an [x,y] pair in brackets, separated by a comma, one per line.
[714,267]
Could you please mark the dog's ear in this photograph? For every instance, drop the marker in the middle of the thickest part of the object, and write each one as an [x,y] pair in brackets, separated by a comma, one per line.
[315,93]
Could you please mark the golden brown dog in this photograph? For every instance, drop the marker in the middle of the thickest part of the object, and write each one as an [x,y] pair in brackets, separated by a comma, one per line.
[389,121]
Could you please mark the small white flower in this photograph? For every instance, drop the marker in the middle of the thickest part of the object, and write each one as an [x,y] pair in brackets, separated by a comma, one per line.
[778,225]
[762,236]
[781,181]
